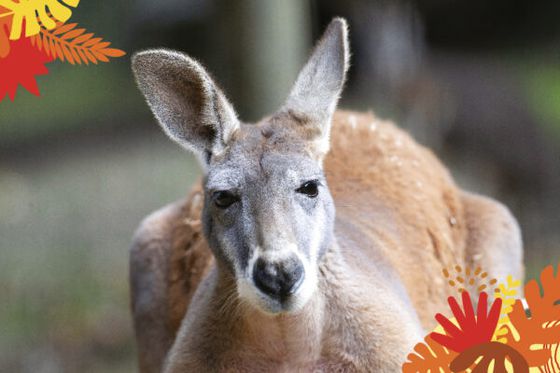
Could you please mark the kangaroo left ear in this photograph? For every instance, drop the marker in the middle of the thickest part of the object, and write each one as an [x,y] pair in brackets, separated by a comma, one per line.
[315,94]
[188,105]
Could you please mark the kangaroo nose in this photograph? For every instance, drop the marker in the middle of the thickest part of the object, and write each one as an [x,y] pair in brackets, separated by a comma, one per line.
[278,279]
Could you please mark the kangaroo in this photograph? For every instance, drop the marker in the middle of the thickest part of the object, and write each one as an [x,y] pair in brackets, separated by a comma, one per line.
[254,271]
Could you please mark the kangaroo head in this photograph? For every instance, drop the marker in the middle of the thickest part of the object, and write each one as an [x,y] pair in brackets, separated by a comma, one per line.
[268,214]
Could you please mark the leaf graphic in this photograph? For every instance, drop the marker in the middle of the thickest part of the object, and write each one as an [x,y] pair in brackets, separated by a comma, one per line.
[69,43]
[429,357]
[73,34]
[506,292]
[5,25]
[538,335]
[20,67]
[64,28]
[472,330]
[45,11]
[481,356]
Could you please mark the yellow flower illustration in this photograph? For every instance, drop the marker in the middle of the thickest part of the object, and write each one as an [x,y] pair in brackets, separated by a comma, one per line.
[35,11]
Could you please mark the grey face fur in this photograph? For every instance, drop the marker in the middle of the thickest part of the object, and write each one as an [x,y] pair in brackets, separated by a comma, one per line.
[268,214]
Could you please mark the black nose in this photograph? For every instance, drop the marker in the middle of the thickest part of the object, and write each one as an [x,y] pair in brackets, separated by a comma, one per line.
[278,279]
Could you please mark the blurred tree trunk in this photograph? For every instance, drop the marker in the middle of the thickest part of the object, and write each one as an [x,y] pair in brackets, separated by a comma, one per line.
[267,43]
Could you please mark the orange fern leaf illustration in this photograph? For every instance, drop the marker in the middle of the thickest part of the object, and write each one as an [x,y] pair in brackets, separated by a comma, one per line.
[538,335]
[68,43]
[429,357]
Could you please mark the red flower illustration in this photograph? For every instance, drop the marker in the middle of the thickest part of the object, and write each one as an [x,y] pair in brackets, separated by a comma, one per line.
[473,330]
[20,66]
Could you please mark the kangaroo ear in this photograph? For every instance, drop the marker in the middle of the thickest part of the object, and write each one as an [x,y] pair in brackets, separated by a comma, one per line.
[315,94]
[188,105]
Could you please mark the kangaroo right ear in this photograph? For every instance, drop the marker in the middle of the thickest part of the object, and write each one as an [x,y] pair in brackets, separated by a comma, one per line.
[315,94]
[188,105]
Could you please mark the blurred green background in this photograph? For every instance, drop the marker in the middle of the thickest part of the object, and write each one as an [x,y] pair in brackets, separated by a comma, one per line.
[478,81]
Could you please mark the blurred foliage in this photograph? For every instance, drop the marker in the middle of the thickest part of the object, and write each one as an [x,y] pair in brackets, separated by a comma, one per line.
[63,263]
[72,97]
[543,86]
[77,97]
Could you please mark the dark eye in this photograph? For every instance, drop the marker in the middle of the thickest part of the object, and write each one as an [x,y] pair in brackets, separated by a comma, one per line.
[309,188]
[223,198]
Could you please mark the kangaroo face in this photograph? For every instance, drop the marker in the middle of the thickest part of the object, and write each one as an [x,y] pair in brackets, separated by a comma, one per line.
[268,214]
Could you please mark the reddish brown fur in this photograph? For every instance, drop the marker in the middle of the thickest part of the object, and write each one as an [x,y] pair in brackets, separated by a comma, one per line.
[419,224]
[372,157]
[172,246]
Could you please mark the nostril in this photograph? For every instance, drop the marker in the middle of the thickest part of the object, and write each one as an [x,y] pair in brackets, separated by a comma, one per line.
[278,280]
[296,278]
[265,277]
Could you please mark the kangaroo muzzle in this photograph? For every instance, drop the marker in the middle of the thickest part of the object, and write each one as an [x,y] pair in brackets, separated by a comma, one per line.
[280,279]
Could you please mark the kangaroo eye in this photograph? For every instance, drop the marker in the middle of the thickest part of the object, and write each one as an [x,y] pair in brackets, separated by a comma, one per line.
[223,198]
[309,188]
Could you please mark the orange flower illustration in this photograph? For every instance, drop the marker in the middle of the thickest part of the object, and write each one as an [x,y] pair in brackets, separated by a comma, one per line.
[538,333]
[429,357]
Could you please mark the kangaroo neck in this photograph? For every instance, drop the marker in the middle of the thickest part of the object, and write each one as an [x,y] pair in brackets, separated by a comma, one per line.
[297,337]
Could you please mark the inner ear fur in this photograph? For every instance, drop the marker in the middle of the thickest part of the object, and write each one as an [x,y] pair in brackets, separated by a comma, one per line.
[318,86]
[188,105]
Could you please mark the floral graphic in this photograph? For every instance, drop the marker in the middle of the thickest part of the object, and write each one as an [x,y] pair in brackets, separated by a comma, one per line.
[539,333]
[429,357]
[467,279]
[504,337]
[489,351]
[20,67]
[472,330]
[33,33]
[506,292]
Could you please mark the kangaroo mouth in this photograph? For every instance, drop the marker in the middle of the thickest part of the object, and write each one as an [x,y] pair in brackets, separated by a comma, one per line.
[272,299]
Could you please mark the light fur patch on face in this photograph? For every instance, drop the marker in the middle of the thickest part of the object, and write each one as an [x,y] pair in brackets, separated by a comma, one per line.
[285,251]
[223,179]
[292,176]
[321,147]
[310,264]
[229,253]
[247,291]
[316,237]
[309,284]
